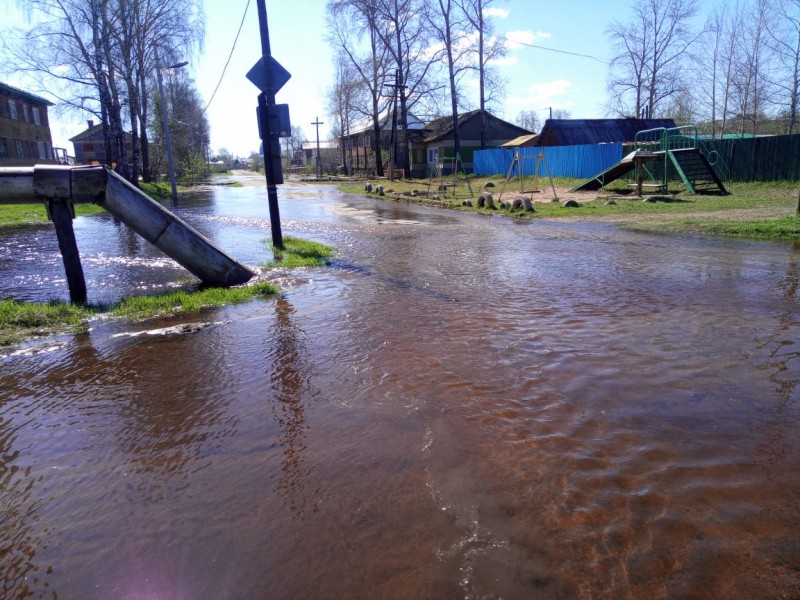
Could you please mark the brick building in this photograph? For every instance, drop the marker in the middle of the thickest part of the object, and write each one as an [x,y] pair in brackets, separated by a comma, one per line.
[25,138]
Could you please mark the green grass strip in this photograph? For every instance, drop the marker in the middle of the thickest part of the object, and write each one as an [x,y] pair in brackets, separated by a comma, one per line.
[189,302]
[300,253]
[21,320]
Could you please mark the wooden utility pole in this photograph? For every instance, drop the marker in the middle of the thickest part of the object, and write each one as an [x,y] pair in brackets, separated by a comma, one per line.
[316,124]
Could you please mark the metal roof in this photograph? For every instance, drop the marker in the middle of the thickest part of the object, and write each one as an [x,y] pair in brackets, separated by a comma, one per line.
[10,89]
[575,132]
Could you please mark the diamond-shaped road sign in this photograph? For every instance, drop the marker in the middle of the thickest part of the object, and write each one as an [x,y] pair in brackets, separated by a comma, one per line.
[278,76]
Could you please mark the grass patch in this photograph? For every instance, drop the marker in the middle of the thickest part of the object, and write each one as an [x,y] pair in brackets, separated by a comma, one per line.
[12,215]
[300,253]
[781,229]
[20,320]
[189,302]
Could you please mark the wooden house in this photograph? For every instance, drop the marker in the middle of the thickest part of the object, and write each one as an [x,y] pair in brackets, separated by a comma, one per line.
[25,137]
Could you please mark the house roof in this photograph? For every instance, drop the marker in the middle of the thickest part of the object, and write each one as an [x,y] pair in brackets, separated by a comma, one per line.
[10,89]
[575,132]
[365,126]
[521,141]
[88,133]
[443,126]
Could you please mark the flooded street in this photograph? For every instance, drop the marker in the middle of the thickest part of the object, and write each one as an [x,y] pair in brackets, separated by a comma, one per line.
[460,406]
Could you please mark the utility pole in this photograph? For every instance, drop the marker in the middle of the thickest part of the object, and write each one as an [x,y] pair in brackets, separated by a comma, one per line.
[317,123]
[396,87]
[165,124]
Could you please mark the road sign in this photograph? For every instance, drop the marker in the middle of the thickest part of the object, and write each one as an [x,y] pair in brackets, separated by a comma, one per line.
[278,76]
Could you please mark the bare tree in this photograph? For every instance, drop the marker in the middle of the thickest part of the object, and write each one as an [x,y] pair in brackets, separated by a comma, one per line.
[645,70]
[353,27]
[785,40]
[529,119]
[489,48]
[751,76]
[343,96]
[451,29]
[561,113]
[406,37]
[96,55]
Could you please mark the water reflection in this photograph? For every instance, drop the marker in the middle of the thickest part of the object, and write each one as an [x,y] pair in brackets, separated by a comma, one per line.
[290,373]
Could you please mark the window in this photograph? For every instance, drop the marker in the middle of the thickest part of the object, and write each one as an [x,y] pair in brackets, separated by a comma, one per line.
[3,148]
[20,148]
[433,156]
[12,109]
[44,150]
[26,113]
[37,118]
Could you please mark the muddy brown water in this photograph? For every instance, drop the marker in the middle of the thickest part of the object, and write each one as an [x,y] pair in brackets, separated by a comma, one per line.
[459,407]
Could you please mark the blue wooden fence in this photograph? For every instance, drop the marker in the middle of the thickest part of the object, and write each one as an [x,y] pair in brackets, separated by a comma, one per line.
[579,162]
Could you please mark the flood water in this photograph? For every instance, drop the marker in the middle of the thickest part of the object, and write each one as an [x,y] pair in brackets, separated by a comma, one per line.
[460,406]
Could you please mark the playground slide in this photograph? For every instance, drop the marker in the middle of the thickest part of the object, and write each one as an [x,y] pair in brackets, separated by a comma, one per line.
[171,235]
[616,171]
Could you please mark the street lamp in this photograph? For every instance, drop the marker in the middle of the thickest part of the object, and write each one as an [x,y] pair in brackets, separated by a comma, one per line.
[165,124]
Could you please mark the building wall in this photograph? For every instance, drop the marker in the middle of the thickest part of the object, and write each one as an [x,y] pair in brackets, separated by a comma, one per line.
[25,138]
[90,149]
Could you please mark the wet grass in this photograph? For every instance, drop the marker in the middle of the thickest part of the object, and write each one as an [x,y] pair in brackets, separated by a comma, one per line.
[300,253]
[189,302]
[21,320]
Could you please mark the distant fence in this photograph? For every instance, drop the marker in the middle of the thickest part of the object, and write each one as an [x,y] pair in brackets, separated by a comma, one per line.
[579,162]
[772,158]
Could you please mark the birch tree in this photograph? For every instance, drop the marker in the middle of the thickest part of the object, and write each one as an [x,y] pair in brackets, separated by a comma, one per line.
[96,56]
[785,39]
[488,48]
[353,28]
[645,70]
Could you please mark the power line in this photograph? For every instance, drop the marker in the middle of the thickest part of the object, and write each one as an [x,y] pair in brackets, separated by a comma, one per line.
[600,60]
[225,68]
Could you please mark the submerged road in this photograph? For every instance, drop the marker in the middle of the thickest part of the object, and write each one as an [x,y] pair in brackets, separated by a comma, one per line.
[459,407]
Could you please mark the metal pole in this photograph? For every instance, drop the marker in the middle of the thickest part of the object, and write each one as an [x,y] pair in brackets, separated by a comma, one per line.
[167,136]
[271,141]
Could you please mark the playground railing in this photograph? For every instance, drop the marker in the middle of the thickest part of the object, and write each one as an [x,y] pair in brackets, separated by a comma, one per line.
[715,159]
[650,139]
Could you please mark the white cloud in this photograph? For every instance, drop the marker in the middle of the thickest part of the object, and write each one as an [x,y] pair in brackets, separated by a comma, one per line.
[505,61]
[543,94]
[516,39]
[500,13]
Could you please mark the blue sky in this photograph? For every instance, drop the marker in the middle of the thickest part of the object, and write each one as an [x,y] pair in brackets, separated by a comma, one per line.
[536,78]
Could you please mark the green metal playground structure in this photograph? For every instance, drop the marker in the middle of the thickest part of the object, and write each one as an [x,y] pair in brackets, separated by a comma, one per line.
[659,154]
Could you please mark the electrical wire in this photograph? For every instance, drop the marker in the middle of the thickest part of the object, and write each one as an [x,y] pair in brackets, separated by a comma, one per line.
[600,60]
[225,68]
